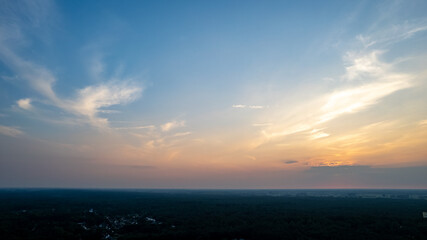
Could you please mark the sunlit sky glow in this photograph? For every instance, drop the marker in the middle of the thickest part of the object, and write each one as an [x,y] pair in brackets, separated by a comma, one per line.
[213,94]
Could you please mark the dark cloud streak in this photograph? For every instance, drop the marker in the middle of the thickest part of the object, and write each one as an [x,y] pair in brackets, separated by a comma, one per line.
[289,161]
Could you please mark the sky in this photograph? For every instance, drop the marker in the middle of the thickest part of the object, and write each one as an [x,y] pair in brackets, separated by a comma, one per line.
[213,94]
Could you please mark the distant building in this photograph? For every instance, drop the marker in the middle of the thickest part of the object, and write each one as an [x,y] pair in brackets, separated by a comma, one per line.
[424,214]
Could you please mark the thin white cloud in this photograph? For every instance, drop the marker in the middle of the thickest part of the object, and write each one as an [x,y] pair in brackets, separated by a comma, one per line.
[181,134]
[247,106]
[363,66]
[10,131]
[89,102]
[39,78]
[92,99]
[356,99]
[256,107]
[172,125]
[22,17]
[318,135]
[372,80]
[108,111]
[388,36]
[239,106]
[279,131]
[25,103]
[137,127]
[316,130]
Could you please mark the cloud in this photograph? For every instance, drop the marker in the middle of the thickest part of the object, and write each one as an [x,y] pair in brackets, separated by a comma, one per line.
[247,106]
[364,65]
[397,33]
[367,80]
[181,134]
[239,106]
[108,111]
[289,161]
[90,100]
[20,20]
[10,131]
[39,78]
[172,125]
[358,98]
[319,135]
[25,103]
[372,80]
[137,127]
[256,107]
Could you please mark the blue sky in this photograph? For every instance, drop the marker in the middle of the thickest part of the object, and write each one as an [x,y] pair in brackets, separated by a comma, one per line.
[221,93]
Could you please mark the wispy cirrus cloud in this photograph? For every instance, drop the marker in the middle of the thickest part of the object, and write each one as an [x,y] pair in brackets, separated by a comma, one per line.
[370,80]
[388,36]
[172,125]
[89,101]
[247,106]
[10,131]
[181,134]
[355,99]
[38,77]
[319,135]
[136,127]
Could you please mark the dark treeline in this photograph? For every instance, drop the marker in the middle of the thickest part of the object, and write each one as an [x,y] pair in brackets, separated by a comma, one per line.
[93,214]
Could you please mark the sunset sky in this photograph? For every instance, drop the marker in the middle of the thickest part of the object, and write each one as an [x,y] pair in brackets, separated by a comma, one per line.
[213,94]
